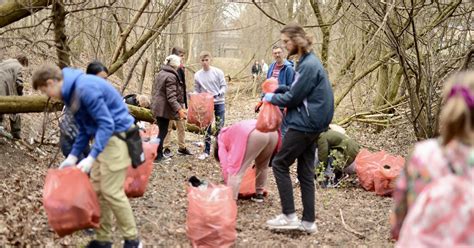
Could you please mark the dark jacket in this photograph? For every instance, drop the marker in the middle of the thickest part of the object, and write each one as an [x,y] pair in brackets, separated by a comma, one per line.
[182,78]
[256,69]
[310,100]
[287,73]
[330,140]
[98,110]
[167,94]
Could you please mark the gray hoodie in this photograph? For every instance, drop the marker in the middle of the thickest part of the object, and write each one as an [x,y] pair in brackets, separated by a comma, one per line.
[211,81]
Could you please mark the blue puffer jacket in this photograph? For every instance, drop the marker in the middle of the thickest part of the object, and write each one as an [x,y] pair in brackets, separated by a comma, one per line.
[310,100]
[287,73]
[98,109]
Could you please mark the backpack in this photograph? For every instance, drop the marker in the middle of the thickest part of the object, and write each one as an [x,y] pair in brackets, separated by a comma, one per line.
[443,214]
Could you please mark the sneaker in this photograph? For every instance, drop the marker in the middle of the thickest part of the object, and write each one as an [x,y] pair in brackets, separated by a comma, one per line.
[257,198]
[99,244]
[184,151]
[167,153]
[160,159]
[309,227]
[283,222]
[203,156]
[132,244]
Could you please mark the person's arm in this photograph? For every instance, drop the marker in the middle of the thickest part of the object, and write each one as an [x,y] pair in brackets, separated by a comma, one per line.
[197,84]
[222,84]
[19,81]
[323,149]
[171,94]
[300,89]
[95,105]
[400,198]
[290,75]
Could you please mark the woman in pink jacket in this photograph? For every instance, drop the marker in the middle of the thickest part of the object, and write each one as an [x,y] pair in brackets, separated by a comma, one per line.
[237,148]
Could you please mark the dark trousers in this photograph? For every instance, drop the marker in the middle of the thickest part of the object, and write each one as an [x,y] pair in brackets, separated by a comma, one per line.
[299,146]
[219,113]
[163,124]
[15,125]
[66,144]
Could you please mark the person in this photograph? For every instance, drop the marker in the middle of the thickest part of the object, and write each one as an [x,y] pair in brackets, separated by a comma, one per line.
[68,129]
[167,101]
[101,114]
[256,70]
[211,80]
[181,123]
[264,67]
[310,105]
[238,147]
[283,71]
[336,154]
[434,168]
[11,84]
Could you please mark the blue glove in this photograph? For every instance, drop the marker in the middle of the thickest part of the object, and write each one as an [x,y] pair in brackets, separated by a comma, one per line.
[268,97]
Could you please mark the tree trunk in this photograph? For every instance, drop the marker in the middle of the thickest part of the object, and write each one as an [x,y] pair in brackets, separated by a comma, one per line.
[142,77]
[38,104]
[382,86]
[13,11]
[62,49]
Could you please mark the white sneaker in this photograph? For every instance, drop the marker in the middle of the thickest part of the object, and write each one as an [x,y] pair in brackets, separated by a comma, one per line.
[309,227]
[203,156]
[283,222]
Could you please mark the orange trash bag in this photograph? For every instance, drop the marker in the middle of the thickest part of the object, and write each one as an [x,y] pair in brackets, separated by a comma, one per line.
[270,85]
[70,202]
[269,119]
[378,171]
[137,179]
[247,186]
[212,216]
[201,109]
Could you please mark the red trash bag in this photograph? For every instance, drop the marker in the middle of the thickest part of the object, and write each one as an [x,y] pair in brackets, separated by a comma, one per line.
[212,216]
[201,109]
[270,85]
[386,175]
[269,119]
[70,202]
[247,186]
[137,179]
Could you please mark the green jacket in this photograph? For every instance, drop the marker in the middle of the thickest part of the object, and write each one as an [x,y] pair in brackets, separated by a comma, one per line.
[331,140]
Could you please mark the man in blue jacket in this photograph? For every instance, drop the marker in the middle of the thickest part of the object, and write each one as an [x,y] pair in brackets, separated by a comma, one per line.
[100,114]
[283,71]
[310,105]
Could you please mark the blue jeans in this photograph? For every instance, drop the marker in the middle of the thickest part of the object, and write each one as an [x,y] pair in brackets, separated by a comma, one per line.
[219,113]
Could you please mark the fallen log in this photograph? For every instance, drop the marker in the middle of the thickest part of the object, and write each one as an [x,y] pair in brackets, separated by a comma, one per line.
[38,104]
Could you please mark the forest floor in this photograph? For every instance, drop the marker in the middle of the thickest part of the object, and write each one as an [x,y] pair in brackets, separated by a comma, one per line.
[161,213]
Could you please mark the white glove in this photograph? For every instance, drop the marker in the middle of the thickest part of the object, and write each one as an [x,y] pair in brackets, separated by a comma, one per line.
[86,164]
[71,160]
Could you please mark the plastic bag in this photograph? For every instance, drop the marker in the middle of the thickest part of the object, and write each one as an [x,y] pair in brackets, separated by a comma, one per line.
[378,171]
[201,109]
[137,179]
[269,119]
[247,186]
[212,216]
[150,131]
[70,201]
[270,85]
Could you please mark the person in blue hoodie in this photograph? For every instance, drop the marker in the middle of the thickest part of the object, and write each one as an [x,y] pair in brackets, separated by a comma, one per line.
[310,105]
[100,114]
[283,71]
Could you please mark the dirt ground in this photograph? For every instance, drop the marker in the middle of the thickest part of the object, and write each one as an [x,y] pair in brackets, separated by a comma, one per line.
[161,213]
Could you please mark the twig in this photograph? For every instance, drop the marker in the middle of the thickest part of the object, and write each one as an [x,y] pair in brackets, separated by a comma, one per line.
[348,228]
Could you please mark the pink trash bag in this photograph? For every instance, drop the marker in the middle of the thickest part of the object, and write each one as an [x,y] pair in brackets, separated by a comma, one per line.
[137,179]
[212,216]
[378,171]
[70,202]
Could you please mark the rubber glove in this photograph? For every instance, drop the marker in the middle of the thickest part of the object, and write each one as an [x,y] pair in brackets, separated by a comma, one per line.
[268,97]
[86,164]
[71,160]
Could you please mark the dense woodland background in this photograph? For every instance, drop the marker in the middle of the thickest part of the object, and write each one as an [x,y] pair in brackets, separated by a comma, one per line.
[387,61]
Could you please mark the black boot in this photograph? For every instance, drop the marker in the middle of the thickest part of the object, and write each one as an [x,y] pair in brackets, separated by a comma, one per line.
[99,244]
[132,244]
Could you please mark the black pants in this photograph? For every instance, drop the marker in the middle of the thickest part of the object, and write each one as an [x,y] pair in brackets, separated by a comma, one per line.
[301,146]
[163,124]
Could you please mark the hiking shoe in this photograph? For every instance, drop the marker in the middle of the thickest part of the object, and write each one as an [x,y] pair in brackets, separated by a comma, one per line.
[257,198]
[184,151]
[167,153]
[309,227]
[132,244]
[203,156]
[99,244]
[283,222]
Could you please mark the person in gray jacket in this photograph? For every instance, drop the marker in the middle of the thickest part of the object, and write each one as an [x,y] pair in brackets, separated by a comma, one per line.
[310,105]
